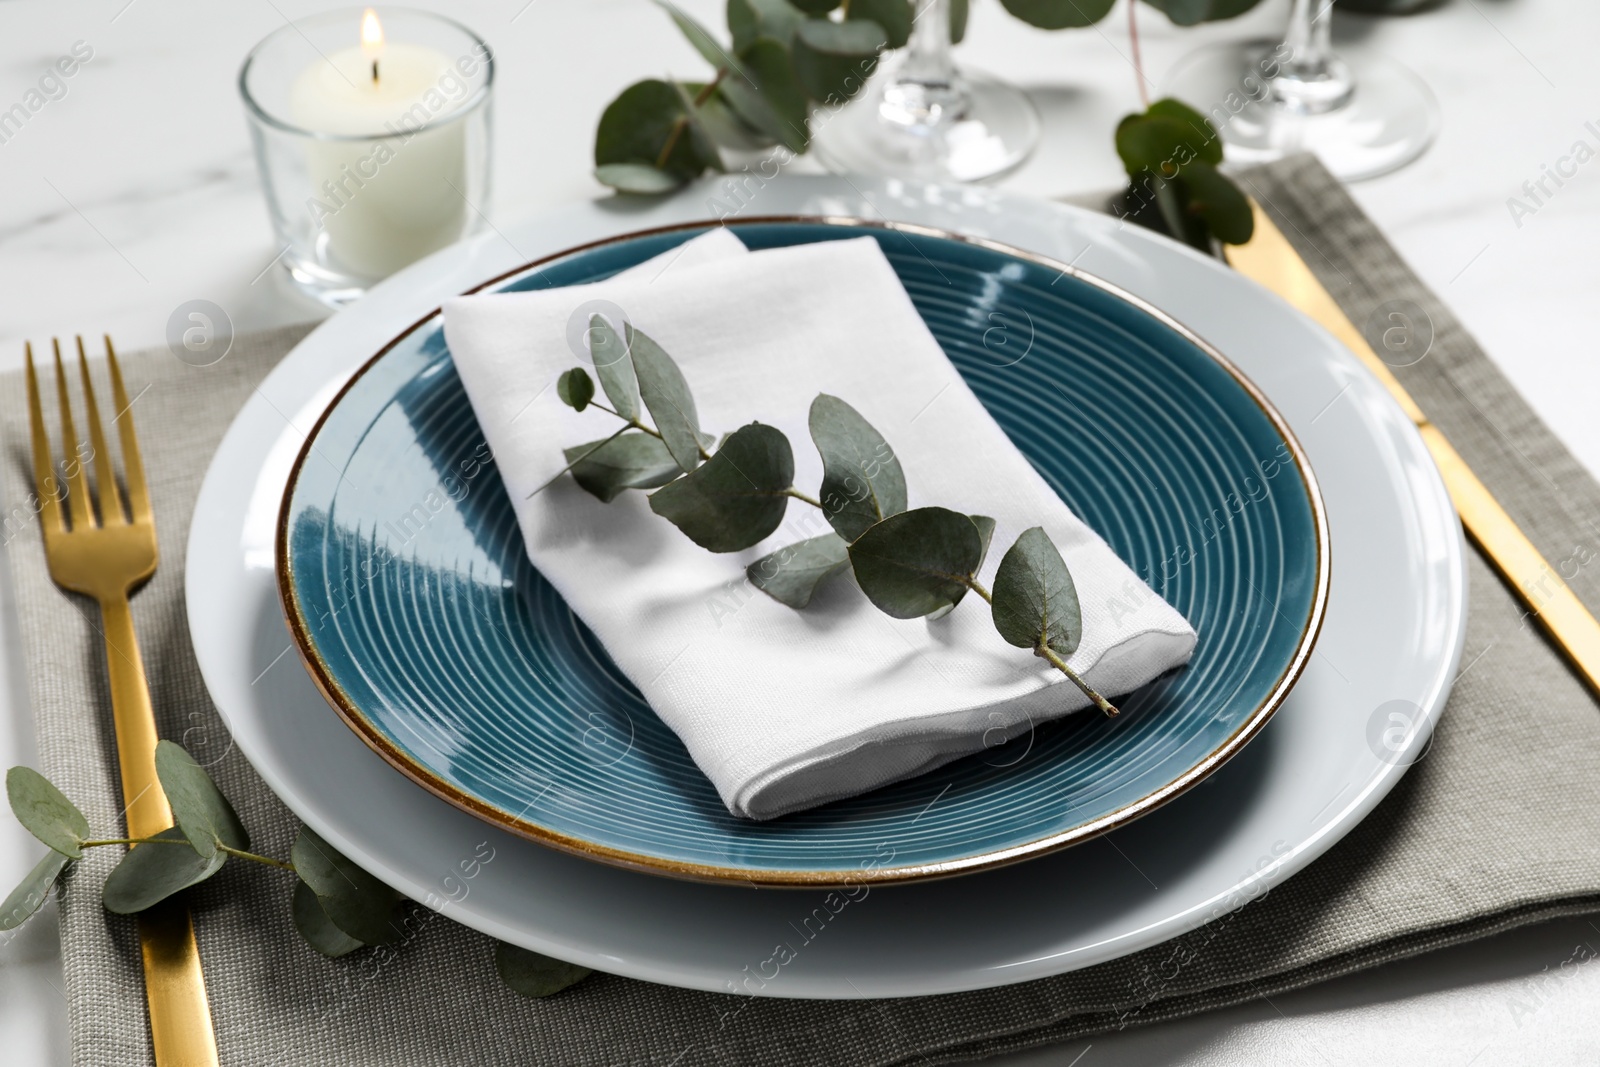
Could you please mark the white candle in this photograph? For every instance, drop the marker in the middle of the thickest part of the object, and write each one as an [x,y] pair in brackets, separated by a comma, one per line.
[383,202]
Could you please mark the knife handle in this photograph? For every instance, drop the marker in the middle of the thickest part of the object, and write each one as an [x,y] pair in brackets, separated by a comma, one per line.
[1538,585]
[1271,261]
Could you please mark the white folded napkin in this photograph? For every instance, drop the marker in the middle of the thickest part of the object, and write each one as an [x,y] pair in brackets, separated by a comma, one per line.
[785,709]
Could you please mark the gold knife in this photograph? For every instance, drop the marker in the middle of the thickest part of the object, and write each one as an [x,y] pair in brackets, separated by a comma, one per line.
[1270,260]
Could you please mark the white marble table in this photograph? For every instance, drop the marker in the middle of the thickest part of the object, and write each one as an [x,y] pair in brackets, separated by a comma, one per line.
[135,192]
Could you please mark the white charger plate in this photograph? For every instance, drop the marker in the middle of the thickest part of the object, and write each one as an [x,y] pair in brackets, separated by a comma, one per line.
[1360,714]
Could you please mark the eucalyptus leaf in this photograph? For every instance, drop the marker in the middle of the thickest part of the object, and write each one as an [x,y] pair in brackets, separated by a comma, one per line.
[894,16]
[709,48]
[576,389]
[1216,200]
[646,124]
[1203,137]
[355,902]
[726,126]
[1171,201]
[816,7]
[1035,601]
[792,574]
[534,975]
[985,527]
[633,460]
[1059,14]
[313,924]
[666,395]
[768,95]
[737,497]
[917,562]
[1166,138]
[862,482]
[45,812]
[614,367]
[639,178]
[1157,144]
[958,20]
[1194,12]
[833,60]
[30,895]
[154,871]
[749,19]
[198,806]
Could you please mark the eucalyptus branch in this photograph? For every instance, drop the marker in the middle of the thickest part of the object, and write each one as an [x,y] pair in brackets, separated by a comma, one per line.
[910,563]
[337,907]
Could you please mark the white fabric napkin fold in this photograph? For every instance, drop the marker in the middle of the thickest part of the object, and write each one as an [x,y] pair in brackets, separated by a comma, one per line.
[786,709]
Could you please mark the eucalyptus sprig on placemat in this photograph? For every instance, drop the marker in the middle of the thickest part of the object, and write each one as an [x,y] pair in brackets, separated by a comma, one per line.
[337,907]
[910,563]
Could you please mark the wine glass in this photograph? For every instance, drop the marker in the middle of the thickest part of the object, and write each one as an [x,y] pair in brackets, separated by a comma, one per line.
[922,117]
[1362,116]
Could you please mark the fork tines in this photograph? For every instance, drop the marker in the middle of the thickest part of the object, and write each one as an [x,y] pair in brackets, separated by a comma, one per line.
[78,513]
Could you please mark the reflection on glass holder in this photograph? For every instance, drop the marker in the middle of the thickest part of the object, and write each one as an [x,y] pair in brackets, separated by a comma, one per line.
[371,134]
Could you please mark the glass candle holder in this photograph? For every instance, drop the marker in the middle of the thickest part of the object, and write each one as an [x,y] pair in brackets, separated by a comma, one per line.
[371,133]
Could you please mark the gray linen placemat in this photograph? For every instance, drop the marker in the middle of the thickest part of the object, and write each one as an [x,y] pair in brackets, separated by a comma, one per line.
[1493,829]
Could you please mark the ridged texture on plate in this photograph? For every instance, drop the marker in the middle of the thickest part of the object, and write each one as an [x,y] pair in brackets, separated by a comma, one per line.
[417,596]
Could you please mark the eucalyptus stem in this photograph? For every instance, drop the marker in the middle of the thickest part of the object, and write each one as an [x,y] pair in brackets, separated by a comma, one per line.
[977,587]
[681,123]
[129,841]
[633,424]
[798,495]
[653,432]
[1138,59]
[1048,654]
[254,857]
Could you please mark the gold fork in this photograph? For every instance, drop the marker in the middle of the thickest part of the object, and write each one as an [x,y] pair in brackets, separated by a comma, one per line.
[107,560]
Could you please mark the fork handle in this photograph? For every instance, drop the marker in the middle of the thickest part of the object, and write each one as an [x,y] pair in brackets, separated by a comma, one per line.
[147,813]
[180,1015]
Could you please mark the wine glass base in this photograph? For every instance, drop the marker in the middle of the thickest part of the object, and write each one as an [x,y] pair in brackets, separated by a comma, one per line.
[995,135]
[1389,120]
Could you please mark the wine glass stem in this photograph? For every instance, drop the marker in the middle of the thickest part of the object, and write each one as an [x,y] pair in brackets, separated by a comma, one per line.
[925,92]
[1312,79]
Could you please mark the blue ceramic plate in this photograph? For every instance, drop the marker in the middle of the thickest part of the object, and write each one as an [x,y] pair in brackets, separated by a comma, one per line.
[420,617]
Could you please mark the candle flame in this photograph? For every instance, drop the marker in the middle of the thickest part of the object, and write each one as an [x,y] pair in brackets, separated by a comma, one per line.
[371,34]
